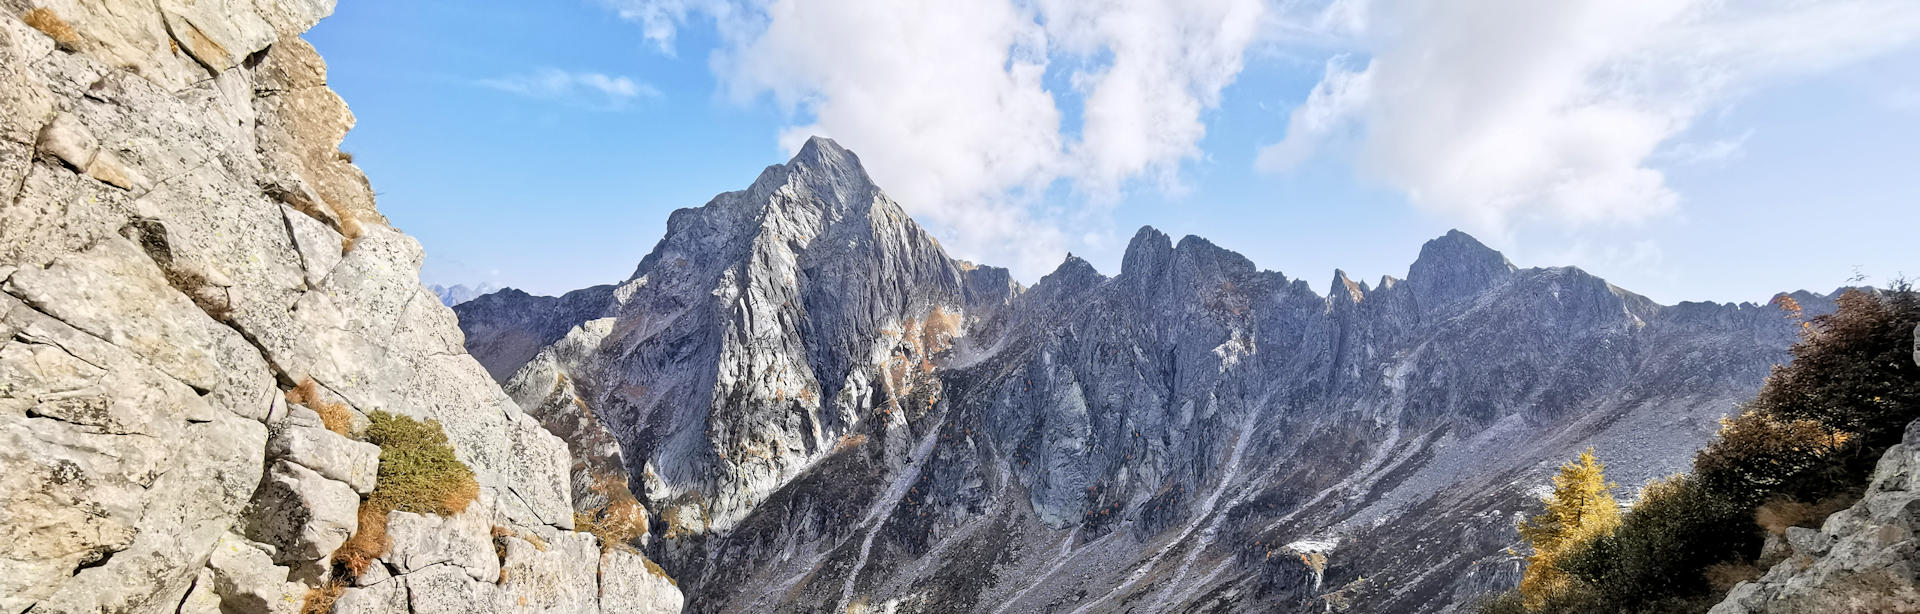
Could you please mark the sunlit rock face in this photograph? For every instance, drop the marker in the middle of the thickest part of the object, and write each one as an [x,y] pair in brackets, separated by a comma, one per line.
[824,412]
[181,243]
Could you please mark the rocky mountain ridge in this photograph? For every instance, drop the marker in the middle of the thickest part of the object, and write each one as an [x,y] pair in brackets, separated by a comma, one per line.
[825,412]
[460,293]
[199,307]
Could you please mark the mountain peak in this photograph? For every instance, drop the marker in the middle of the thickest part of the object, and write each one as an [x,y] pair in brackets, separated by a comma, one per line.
[1147,252]
[1455,266]
[1345,290]
[822,167]
[825,153]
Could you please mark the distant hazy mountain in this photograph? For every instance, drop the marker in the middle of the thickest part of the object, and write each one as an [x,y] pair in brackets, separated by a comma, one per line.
[824,411]
[460,293]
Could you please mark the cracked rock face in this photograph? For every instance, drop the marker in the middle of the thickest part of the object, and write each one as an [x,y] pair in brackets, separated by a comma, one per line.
[824,412]
[181,242]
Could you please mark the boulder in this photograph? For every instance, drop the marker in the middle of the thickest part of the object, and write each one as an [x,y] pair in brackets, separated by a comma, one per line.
[557,573]
[301,513]
[444,589]
[357,463]
[631,583]
[245,578]
[383,598]
[463,541]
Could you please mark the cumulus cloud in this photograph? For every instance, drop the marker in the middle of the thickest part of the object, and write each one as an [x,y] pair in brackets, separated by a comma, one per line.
[1498,111]
[1169,62]
[949,105]
[588,89]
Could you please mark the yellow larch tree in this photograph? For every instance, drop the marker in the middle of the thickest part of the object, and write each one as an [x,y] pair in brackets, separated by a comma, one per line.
[1580,507]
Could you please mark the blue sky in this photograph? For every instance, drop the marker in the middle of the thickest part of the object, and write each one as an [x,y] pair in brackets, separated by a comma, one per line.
[1684,150]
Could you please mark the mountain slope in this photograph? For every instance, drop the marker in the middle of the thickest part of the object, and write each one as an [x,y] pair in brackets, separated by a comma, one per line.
[827,412]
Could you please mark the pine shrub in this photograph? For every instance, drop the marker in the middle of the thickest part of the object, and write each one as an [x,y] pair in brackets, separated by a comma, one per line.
[418,470]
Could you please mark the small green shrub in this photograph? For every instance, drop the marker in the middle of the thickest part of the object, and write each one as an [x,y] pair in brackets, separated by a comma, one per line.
[418,470]
[1664,545]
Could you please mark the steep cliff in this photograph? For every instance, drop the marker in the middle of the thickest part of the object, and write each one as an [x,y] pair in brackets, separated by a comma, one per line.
[829,413]
[182,244]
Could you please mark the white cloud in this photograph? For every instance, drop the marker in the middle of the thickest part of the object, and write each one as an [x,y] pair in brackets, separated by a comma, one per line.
[1329,108]
[587,89]
[948,105]
[1501,111]
[1169,61]
[660,20]
[1718,152]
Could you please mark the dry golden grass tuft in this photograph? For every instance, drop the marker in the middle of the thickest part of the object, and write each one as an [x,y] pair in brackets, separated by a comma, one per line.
[849,442]
[336,416]
[654,568]
[320,600]
[367,544]
[53,26]
[620,522]
[1722,576]
[350,229]
[1778,515]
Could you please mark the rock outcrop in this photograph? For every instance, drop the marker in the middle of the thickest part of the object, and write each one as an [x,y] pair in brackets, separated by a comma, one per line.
[826,413]
[1863,559]
[181,242]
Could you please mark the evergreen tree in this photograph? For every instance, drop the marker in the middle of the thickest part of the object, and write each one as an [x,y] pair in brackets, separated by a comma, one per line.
[1580,507]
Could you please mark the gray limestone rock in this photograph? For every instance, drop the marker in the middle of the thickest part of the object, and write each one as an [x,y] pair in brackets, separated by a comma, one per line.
[246,579]
[445,589]
[328,453]
[1862,559]
[629,583]
[463,541]
[383,598]
[555,574]
[180,241]
[302,514]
